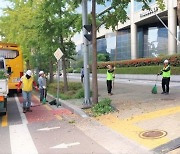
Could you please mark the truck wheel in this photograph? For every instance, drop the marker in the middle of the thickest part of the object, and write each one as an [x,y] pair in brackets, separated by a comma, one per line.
[5,106]
[4,113]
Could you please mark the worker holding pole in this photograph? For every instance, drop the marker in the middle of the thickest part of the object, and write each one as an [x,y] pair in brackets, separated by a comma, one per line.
[110,78]
[166,73]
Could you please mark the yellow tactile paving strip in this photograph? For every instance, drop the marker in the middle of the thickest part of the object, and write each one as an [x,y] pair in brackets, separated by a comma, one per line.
[153,115]
[128,128]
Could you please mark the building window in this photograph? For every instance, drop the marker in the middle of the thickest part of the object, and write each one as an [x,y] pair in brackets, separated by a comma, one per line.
[155,41]
[138,5]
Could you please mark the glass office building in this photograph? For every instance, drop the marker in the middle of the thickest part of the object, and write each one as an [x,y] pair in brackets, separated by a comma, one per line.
[144,36]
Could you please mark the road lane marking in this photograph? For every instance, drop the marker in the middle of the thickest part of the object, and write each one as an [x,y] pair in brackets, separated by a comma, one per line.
[65,146]
[50,109]
[36,97]
[153,115]
[131,131]
[4,121]
[47,107]
[58,117]
[20,138]
[22,115]
[48,129]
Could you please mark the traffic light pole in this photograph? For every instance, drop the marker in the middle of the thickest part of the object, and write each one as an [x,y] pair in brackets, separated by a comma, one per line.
[87,101]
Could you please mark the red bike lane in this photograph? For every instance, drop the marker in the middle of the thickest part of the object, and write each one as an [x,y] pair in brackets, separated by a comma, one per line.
[43,112]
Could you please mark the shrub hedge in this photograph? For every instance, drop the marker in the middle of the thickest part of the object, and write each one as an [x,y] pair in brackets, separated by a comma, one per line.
[141,70]
[174,60]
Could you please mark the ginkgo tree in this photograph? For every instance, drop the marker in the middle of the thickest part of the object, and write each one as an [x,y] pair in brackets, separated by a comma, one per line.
[57,24]
[16,27]
[40,27]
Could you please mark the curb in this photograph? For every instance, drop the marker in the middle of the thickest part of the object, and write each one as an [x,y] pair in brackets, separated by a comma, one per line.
[149,77]
[73,108]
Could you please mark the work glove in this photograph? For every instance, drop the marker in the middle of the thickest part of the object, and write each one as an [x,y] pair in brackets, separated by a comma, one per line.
[36,88]
[44,87]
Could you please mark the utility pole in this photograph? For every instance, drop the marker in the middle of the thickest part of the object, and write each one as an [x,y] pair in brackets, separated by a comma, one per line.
[91,37]
[87,101]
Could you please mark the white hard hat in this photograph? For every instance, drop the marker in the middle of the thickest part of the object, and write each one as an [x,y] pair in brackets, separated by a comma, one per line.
[29,72]
[41,72]
[166,61]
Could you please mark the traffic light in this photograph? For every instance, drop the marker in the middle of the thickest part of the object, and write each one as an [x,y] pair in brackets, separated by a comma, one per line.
[89,30]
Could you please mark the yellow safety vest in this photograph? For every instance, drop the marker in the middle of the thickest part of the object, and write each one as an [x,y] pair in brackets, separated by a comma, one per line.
[166,74]
[27,83]
[109,76]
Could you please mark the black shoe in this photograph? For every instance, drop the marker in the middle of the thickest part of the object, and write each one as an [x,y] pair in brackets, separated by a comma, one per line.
[29,110]
[24,110]
[166,93]
[163,92]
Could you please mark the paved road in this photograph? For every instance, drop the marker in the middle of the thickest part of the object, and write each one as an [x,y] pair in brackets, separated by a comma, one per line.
[46,130]
[138,81]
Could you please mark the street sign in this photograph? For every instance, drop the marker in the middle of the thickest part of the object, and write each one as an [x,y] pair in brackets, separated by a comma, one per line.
[58,54]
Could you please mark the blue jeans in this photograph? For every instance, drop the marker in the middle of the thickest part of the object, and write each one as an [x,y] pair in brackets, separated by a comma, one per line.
[27,99]
[43,93]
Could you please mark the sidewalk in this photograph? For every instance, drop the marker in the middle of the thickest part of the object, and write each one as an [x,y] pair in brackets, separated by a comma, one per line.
[139,111]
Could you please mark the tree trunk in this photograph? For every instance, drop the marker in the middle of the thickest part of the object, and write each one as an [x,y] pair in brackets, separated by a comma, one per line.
[51,71]
[178,15]
[94,60]
[64,74]
[28,65]
[64,65]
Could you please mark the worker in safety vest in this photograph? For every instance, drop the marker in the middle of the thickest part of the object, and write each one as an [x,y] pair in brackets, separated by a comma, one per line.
[110,78]
[166,73]
[27,82]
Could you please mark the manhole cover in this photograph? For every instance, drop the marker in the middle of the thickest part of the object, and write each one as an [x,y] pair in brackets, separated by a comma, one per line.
[153,134]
